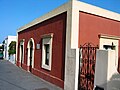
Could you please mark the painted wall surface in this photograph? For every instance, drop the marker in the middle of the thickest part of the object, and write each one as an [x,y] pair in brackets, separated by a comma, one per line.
[90,26]
[57,26]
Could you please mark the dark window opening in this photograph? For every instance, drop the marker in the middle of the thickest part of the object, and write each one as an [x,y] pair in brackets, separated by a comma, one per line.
[21,52]
[47,53]
[109,47]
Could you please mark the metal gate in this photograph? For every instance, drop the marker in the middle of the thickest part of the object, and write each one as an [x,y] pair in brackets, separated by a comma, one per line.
[87,60]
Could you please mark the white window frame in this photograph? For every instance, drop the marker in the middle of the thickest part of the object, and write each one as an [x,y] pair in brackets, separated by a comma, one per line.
[47,39]
[21,43]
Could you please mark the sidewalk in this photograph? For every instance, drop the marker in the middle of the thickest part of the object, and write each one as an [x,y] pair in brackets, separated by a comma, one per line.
[15,78]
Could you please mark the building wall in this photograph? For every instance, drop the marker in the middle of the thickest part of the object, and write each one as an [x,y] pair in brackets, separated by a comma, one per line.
[57,26]
[91,26]
[8,40]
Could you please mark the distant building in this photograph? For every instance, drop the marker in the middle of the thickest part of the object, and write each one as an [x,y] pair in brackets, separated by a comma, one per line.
[1,51]
[6,43]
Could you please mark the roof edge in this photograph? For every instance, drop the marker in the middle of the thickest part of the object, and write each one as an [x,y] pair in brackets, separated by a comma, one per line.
[57,11]
[88,8]
[81,6]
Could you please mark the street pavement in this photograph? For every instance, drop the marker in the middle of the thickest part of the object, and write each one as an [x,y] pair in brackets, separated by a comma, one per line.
[15,78]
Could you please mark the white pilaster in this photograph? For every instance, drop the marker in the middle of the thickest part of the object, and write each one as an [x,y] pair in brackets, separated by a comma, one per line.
[72,50]
[106,70]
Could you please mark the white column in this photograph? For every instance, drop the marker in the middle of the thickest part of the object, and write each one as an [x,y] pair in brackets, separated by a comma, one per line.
[16,58]
[105,69]
[72,50]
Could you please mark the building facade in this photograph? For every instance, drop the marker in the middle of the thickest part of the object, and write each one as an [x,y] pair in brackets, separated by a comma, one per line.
[6,44]
[49,46]
[1,51]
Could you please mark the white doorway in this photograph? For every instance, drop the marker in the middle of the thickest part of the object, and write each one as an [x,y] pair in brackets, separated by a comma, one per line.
[30,59]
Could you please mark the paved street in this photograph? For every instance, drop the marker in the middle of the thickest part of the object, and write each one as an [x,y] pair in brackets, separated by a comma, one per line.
[15,78]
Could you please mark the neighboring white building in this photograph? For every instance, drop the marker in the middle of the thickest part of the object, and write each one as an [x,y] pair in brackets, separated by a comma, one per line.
[6,43]
[1,51]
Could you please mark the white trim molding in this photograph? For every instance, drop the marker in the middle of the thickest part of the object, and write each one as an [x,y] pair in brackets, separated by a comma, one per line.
[47,40]
[21,52]
[72,51]
[47,16]
[28,52]
[91,9]
[16,59]
[110,40]
[109,36]
[77,5]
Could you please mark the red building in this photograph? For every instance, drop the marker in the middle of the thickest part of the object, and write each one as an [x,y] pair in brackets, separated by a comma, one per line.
[49,46]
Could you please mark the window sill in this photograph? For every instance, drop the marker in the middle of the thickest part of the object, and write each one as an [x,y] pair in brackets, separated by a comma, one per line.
[46,67]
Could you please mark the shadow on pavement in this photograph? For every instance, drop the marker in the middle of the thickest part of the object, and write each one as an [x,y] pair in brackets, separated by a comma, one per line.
[42,89]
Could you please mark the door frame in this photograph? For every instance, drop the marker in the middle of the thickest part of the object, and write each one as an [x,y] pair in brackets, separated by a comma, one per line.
[109,40]
[28,55]
[21,53]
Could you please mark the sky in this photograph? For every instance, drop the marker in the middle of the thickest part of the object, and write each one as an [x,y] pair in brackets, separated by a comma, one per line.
[17,13]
